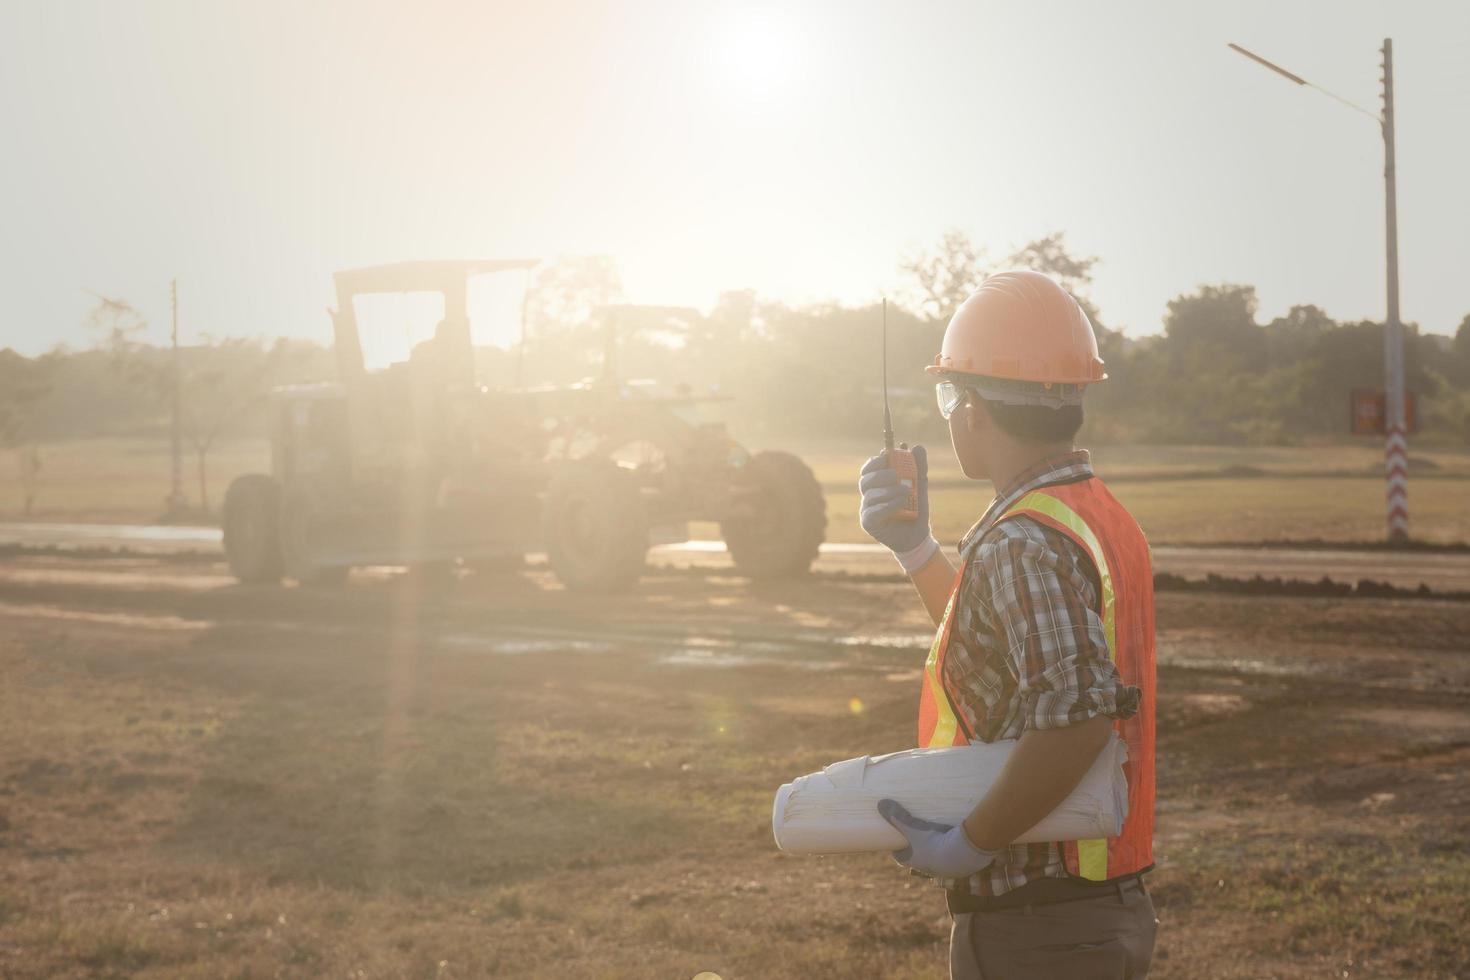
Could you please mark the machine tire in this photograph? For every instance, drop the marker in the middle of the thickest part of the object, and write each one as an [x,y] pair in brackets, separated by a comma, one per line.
[789,520]
[300,551]
[251,524]
[595,526]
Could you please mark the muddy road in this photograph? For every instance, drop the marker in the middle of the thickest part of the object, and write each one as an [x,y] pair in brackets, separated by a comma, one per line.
[1439,571]
[486,775]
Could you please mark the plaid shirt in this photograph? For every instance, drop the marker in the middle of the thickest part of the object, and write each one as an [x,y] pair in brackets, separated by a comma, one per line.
[1028,649]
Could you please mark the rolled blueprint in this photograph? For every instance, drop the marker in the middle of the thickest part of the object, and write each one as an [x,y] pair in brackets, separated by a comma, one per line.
[836,810]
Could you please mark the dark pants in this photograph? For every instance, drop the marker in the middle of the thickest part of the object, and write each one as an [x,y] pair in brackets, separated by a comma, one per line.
[1109,937]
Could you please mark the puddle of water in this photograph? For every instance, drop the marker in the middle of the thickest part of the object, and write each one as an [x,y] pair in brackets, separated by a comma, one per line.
[725,660]
[767,647]
[1418,718]
[828,548]
[131,532]
[1241,665]
[516,647]
[36,611]
[893,641]
[122,577]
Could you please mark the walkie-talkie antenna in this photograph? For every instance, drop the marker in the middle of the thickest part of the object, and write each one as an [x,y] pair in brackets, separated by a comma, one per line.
[902,460]
[887,416]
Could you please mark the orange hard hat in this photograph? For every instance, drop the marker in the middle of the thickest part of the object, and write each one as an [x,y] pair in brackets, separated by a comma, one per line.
[1021,326]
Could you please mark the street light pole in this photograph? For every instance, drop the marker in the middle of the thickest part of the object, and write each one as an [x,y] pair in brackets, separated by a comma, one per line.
[1396,445]
[1395,427]
[176,455]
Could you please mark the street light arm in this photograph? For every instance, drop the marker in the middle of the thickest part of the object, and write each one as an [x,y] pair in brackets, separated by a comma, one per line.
[1396,449]
[1297,79]
[1262,61]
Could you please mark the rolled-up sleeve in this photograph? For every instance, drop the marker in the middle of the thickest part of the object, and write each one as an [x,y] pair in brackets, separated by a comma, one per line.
[1043,607]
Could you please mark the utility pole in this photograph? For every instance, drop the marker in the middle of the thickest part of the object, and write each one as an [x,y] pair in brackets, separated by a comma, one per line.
[1395,422]
[176,494]
[1396,440]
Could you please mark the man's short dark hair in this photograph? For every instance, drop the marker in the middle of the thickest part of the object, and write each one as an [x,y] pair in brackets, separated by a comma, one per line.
[1037,424]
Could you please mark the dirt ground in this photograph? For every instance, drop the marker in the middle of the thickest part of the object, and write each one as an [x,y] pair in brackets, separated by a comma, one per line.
[490,777]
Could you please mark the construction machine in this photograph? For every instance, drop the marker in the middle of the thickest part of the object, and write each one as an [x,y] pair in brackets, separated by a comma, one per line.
[416,463]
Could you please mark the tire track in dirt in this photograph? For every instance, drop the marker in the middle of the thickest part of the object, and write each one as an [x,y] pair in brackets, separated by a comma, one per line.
[705,623]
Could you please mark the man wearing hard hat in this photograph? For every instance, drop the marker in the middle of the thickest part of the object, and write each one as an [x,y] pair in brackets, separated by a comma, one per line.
[1045,634]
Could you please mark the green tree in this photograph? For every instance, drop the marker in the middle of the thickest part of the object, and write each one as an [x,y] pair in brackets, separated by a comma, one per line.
[1460,354]
[1218,320]
[24,384]
[564,294]
[948,274]
[1049,254]
[945,276]
[1213,358]
[220,381]
[1291,338]
[725,349]
[563,338]
[118,325]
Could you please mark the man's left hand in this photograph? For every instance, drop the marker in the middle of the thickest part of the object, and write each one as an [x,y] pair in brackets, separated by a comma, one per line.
[934,849]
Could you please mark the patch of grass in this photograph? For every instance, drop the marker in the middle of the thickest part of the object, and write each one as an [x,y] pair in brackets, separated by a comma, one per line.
[1247,510]
[123,480]
[1190,494]
[1244,494]
[1368,896]
[385,806]
[837,464]
[1330,509]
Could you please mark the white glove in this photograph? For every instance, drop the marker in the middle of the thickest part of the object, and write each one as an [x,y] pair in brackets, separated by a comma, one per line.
[935,849]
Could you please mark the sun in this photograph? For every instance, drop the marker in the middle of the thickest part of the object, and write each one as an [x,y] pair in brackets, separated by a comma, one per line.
[756,52]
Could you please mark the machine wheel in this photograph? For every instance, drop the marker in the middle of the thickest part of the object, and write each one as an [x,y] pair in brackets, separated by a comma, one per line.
[595,527]
[300,537]
[781,520]
[251,523]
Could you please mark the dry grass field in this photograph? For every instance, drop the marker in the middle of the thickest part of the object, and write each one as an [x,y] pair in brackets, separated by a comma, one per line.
[123,481]
[1197,495]
[1180,494]
[203,780]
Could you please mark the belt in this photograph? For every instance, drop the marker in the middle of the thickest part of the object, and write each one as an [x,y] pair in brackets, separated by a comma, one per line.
[1044,891]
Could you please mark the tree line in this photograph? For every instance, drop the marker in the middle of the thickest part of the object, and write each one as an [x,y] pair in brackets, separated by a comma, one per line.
[1215,373]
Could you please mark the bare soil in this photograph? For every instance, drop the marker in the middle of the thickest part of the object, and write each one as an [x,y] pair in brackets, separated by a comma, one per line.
[493,777]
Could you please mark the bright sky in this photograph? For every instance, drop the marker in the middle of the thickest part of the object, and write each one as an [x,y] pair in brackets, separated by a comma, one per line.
[798,149]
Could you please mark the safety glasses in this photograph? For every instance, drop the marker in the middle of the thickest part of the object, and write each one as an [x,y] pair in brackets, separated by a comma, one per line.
[950,396]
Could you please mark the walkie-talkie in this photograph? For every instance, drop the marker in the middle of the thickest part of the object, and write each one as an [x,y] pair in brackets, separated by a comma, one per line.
[901,459]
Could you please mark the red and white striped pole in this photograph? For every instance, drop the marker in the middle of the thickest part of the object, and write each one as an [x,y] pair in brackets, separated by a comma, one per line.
[1396,466]
[1395,419]
[1396,443]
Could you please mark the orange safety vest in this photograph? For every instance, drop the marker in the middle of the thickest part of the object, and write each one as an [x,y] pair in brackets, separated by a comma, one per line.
[1088,514]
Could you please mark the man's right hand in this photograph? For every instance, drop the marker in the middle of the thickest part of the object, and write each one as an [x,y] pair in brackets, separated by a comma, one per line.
[883,498]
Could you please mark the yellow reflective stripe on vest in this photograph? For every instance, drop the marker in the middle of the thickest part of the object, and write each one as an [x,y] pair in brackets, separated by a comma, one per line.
[1092,855]
[945,722]
[1044,503]
[1092,859]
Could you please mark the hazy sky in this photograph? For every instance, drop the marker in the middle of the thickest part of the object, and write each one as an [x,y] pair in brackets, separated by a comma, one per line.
[799,149]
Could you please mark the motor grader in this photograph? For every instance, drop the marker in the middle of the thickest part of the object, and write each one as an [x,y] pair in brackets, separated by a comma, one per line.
[416,463]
